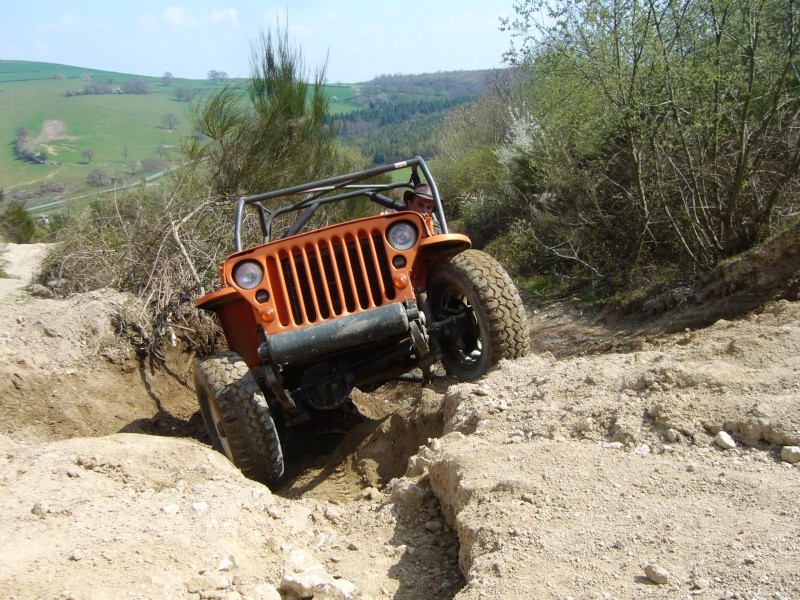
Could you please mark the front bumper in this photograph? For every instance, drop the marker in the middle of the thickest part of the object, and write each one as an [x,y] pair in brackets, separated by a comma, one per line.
[309,344]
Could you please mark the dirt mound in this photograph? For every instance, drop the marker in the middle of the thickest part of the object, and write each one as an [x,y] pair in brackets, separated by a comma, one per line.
[735,288]
[595,466]
[617,461]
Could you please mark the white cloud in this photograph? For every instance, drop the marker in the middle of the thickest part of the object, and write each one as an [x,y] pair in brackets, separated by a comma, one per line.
[225,14]
[41,48]
[67,22]
[175,15]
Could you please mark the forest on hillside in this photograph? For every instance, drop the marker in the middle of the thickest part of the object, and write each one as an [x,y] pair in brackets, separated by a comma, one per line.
[389,131]
[400,114]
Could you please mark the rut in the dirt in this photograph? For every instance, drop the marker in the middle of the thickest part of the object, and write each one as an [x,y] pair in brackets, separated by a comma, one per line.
[365,454]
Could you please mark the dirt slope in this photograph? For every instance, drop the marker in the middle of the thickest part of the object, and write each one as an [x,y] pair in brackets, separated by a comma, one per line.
[594,468]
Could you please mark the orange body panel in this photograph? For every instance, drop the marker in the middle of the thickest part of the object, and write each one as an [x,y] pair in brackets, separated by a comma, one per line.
[238,320]
[323,274]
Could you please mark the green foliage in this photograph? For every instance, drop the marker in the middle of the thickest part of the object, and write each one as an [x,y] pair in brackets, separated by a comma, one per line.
[485,217]
[448,84]
[655,134]
[389,143]
[16,225]
[384,112]
[540,286]
[394,117]
[275,134]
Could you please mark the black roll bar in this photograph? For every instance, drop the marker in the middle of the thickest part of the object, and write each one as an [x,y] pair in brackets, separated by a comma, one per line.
[319,188]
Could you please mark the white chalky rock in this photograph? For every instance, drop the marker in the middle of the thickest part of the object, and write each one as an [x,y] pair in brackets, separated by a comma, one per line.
[791,454]
[332,514]
[613,445]
[227,563]
[170,509]
[656,573]
[642,450]
[407,492]
[724,440]
[306,579]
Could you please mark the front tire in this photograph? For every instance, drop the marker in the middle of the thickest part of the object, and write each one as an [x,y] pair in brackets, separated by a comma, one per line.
[487,321]
[237,417]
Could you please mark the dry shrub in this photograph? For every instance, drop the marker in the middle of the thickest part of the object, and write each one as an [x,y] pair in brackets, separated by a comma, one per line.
[162,245]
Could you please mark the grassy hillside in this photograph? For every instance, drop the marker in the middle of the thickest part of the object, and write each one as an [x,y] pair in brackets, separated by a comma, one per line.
[23,70]
[120,130]
[124,134]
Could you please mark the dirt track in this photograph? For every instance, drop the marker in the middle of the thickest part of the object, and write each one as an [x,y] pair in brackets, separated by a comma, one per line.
[560,475]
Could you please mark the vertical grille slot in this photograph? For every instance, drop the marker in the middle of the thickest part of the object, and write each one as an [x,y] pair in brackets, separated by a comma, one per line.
[328,277]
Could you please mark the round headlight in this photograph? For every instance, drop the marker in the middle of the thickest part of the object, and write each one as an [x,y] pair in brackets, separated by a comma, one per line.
[402,235]
[248,274]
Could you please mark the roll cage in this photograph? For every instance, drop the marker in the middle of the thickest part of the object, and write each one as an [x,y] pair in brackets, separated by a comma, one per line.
[335,189]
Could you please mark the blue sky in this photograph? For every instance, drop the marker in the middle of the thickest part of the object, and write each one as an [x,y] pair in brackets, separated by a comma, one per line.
[360,38]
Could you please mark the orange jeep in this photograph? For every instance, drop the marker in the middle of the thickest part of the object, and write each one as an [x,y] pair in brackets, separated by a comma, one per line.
[316,309]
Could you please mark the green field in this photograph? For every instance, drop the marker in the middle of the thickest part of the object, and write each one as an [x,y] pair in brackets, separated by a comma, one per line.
[121,130]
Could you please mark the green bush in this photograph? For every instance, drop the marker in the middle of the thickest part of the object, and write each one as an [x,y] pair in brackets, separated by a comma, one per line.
[651,144]
[16,224]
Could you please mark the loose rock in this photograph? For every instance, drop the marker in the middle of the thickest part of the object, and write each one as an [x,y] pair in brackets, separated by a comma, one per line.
[656,573]
[724,440]
[791,454]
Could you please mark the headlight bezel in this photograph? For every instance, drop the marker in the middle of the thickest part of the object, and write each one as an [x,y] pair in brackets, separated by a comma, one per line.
[402,235]
[248,274]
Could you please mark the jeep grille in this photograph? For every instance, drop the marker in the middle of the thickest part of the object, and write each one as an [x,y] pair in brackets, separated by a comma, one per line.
[320,279]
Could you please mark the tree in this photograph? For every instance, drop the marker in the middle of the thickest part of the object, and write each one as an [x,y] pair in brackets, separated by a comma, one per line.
[88,154]
[217,76]
[137,86]
[664,131]
[170,120]
[98,178]
[185,94]
[166,78]
[280,133]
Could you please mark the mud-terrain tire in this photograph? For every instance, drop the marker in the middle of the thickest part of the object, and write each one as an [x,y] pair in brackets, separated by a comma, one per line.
[237,417]
[495,326]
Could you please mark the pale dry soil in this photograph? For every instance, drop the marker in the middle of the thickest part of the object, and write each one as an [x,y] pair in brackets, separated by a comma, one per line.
[593,468]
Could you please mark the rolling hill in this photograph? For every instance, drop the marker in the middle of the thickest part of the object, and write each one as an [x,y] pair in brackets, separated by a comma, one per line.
[83,122]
